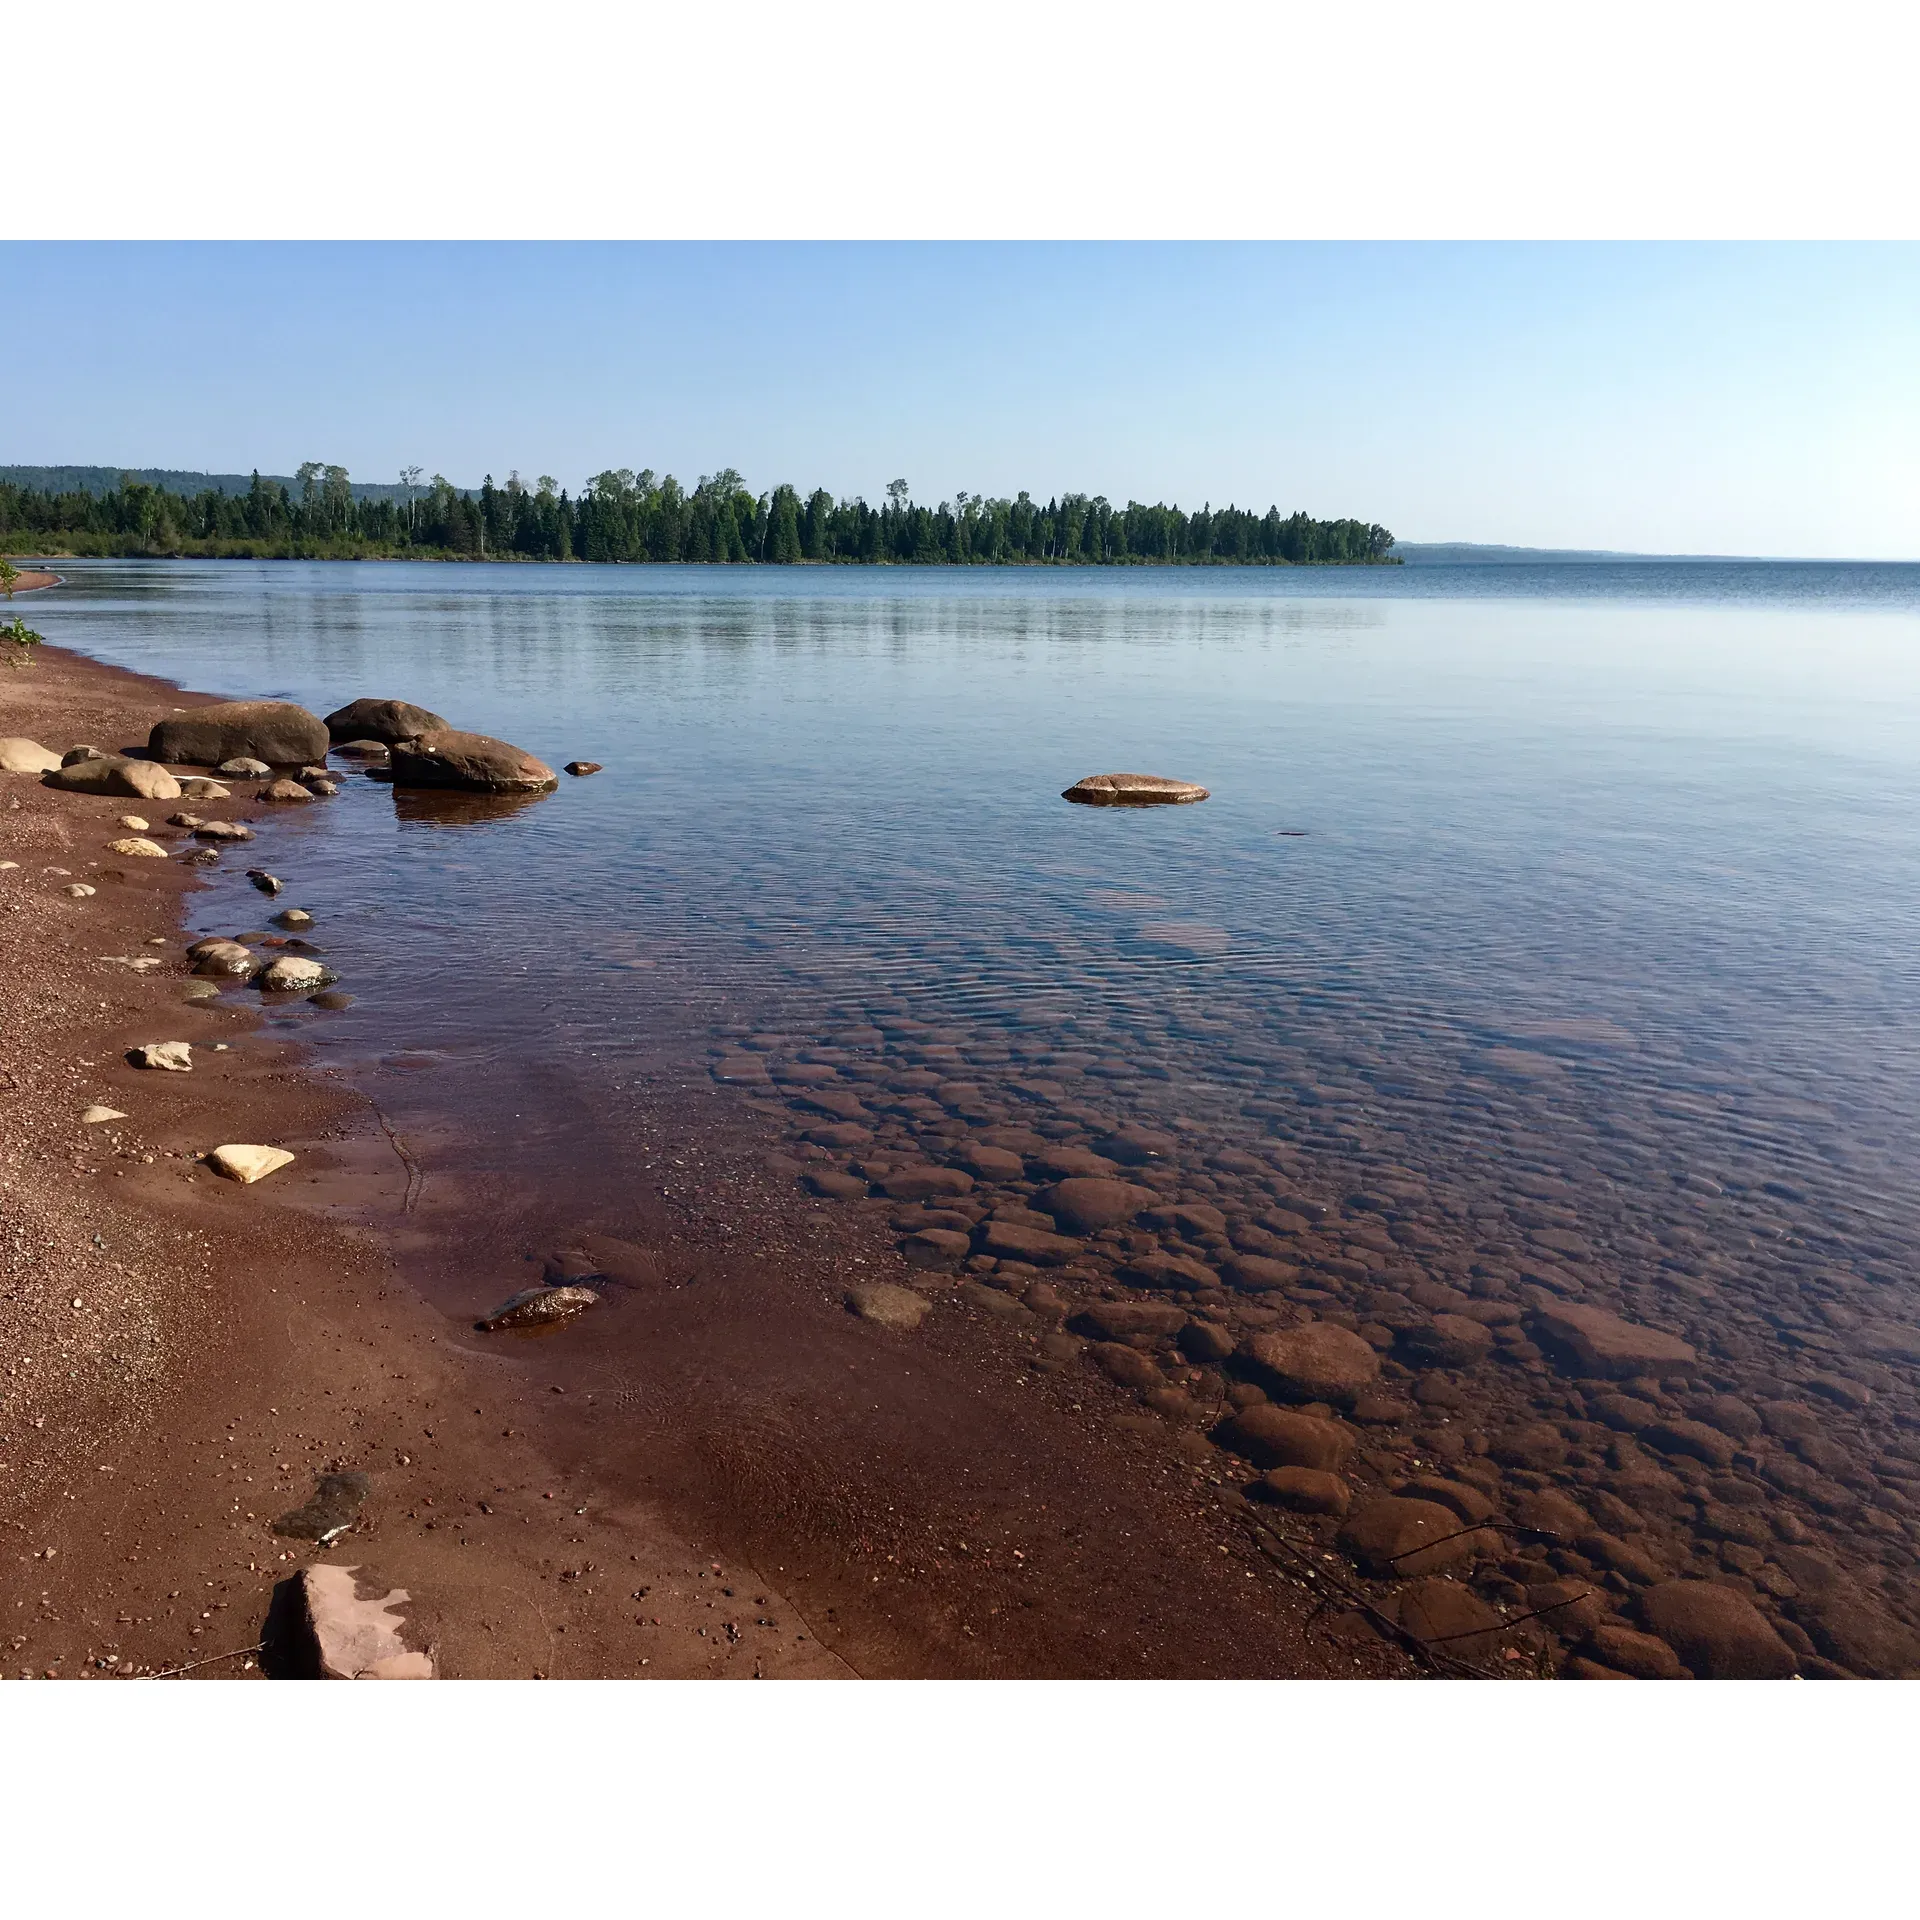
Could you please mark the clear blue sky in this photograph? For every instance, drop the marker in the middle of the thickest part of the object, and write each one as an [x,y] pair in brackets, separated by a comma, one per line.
[1737,399]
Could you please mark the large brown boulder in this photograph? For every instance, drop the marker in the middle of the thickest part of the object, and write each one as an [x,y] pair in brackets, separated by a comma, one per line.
[276,731]
[387,721]
[1598,1343]
[113,773]
[1315,1362]
[1717,1631]
[470,762]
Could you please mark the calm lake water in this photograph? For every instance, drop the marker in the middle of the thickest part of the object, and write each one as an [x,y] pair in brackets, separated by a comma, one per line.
[1586,889]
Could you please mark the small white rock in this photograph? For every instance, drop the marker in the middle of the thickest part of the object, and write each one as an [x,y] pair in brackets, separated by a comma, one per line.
[80,890]
[97,1116]
[136,849]
[133,823]
[248,1164]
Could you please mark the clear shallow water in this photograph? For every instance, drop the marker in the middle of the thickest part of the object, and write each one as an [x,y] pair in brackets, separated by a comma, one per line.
[1577,901]
[1681,802]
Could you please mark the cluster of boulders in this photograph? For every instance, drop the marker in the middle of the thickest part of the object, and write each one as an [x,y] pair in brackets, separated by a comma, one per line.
[1511,1464]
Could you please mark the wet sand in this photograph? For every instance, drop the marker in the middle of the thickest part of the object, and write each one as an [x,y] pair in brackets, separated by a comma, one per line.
[759,1485]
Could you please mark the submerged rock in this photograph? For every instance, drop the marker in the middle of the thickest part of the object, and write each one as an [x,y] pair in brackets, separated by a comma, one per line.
[1396,1539]
[267,883]
[581,768]
[539,1307]
[468,762]
[349,1630]
[363,723]
[1315,1362]
[293,917]
[1595,1342]
[886,1305]
[1132,790]
[329,1510]
[1717,1631]
[276,731]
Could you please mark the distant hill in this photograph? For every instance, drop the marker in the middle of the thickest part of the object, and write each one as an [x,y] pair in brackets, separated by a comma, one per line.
[1469,553]
[98,481]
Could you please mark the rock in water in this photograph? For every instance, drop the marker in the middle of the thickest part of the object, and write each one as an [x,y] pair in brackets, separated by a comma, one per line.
[113,773]
[349,1633]
[1274,1437]
[581,768]
[291,974]
[170,1056]
[382,722]
[248,1164]
[261,878]
[275,731]
[1600,1343]
[26,756]
[1315,1362]
[136,849]
[1133,790]
[886,1305]
[293,918]
[1717,1631]
[470,762]
[1396,1539]
[539,1307]
[1087,1205]
[330,1509]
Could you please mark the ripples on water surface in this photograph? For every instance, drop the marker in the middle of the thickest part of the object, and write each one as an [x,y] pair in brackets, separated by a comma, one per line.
[1594,883]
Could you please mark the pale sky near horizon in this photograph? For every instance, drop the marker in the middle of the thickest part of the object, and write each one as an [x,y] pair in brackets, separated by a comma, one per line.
[1744,399]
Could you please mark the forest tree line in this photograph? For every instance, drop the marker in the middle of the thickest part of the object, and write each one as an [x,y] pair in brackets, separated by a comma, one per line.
[627,516]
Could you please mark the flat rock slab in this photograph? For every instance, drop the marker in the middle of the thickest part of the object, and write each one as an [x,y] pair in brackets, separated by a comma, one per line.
[1132,790]
[353,1631]
[886,1305]
[1602,1344]
[1315,1362]
[247,1164]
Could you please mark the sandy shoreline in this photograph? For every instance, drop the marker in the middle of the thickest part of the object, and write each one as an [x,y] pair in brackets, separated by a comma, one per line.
[230,1343]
